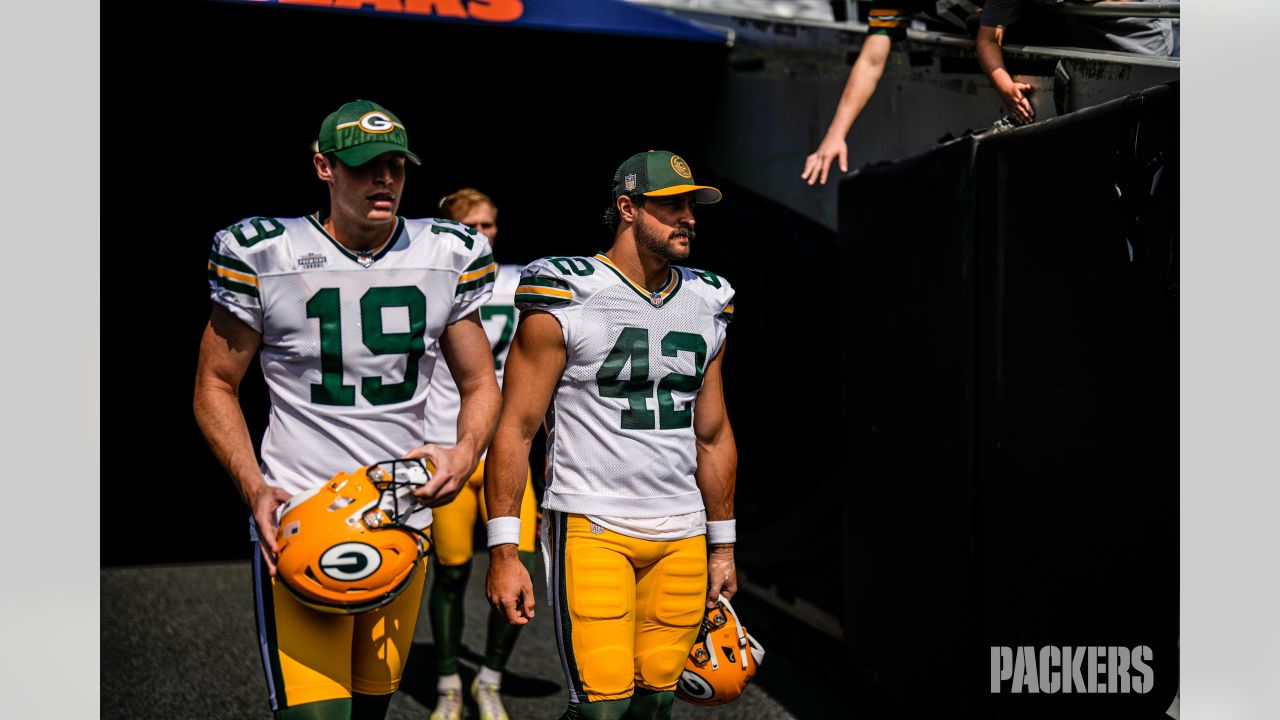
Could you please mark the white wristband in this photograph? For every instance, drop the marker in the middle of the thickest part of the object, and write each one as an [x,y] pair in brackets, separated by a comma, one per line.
[722,532]
[503,530]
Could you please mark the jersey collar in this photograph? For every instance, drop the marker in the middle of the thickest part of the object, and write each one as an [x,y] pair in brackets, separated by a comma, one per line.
[657,298]
[364,259]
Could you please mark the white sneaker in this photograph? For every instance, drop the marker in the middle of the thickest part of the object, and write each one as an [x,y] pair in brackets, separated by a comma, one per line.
[490,702]
[449,706]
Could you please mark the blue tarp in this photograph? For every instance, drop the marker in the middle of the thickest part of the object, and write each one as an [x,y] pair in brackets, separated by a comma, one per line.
[591,16]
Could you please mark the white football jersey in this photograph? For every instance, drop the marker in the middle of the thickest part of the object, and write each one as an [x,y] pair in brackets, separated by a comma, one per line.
[498,315]
[347,339]
[620,426]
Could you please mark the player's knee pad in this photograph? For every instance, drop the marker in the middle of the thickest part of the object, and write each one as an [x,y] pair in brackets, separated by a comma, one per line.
[661,667]
[607,670]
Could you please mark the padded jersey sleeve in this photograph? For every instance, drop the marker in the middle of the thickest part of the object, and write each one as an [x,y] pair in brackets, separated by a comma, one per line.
[477,270]
[233,277]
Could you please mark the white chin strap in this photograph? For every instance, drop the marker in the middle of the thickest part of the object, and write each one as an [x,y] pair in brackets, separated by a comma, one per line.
[743,650]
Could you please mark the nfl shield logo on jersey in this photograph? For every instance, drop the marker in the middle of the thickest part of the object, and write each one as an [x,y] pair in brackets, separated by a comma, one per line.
[630,182]
[365,259]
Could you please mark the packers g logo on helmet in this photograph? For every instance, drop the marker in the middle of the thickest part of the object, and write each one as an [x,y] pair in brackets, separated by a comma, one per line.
[350,561]
[722,661]
[344,547]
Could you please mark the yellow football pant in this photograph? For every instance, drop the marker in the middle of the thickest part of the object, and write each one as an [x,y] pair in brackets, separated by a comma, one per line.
[626,610]
[452,525]
[310,656]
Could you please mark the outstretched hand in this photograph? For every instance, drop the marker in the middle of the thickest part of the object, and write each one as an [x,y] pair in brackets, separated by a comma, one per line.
[819,162]
[1014,94]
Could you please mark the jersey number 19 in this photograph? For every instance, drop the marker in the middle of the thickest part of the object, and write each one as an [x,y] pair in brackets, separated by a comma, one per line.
[326,306]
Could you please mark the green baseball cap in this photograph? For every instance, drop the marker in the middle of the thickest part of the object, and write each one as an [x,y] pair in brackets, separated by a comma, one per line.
[361,131]
[658,172]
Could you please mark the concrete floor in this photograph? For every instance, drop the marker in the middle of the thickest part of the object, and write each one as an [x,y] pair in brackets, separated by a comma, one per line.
[178,641]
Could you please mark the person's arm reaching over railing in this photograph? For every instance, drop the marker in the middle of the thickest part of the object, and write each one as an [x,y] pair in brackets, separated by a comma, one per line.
[863,78]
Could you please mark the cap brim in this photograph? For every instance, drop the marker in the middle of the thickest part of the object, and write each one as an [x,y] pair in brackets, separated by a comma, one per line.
[703,194]
[363,153]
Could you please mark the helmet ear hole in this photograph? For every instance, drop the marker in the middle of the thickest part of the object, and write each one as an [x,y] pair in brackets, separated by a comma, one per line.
[699,655]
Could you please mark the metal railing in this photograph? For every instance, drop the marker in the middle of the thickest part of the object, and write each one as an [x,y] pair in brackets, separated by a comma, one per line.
[1118,9]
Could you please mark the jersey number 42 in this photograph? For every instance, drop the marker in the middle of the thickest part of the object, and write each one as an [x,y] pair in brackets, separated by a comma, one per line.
[633,346]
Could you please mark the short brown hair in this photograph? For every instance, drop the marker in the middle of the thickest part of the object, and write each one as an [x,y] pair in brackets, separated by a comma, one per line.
[456,205]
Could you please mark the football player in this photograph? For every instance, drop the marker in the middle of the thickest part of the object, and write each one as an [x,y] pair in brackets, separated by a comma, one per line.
[345,308]
[454,524]
[621,354]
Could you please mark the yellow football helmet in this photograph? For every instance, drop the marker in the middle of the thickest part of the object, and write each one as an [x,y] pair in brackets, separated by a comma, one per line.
[344,546]
[722,661]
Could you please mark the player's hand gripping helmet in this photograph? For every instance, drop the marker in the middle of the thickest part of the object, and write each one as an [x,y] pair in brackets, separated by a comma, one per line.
[344,547]
[722,661]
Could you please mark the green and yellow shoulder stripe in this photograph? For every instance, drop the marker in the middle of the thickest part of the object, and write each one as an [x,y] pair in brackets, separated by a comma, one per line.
[727,312]
[537,288]
[479,273]
[228,273]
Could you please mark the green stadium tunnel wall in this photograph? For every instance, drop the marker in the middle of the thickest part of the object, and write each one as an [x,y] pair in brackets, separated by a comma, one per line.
[1011,402]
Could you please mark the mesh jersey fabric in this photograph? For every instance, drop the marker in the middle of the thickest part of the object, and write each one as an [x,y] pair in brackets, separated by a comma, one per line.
[499,317]
[346,339]
[620,432]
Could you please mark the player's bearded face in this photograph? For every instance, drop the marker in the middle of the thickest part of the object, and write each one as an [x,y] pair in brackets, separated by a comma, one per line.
[371,192]
[665,229]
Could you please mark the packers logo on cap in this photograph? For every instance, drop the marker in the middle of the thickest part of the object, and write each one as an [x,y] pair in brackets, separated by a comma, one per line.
[680,166]
[376,122]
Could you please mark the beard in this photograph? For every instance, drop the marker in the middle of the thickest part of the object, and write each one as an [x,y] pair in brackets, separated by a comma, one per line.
[664,247]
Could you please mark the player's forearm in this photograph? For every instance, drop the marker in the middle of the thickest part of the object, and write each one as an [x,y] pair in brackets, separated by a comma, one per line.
[478,416]
[717,473]
[507,468]
[220,418]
